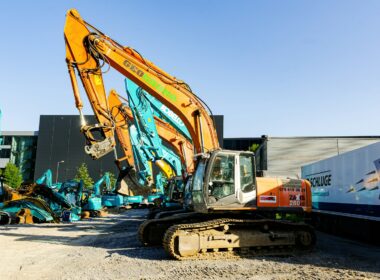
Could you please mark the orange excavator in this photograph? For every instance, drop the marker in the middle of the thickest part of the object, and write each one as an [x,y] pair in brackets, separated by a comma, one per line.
[232,210]
[113,120]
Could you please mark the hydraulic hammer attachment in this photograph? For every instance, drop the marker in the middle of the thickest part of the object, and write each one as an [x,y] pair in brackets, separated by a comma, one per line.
[97,148]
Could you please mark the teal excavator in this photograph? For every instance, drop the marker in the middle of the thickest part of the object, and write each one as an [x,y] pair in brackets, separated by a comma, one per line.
[92,199]
[110,198]
[72,190]
[147,146]
[47,179]
[85,203]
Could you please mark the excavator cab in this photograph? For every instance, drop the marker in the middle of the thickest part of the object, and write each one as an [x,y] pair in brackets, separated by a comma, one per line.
[224,181]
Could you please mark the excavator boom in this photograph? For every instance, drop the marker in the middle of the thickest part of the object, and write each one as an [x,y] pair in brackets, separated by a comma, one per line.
[87,49]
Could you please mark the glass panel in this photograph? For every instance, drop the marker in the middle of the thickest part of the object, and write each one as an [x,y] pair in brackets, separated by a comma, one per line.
[198,177]
[5,153]
[222,179]
[188,185]
[247,182]
[187,195]
[7,140]
[197,194]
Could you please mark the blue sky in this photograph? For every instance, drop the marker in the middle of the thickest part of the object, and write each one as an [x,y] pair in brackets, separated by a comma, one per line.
[281,68]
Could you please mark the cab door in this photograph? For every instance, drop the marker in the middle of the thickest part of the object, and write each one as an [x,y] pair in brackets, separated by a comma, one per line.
[198,197]
[246,181]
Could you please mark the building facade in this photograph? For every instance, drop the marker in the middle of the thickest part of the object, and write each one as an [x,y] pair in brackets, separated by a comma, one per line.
[19,148]
[286,155]
[61,148]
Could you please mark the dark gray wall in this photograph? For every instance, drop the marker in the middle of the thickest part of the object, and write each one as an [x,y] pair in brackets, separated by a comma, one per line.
[219,126]
[243,144]
[59,138]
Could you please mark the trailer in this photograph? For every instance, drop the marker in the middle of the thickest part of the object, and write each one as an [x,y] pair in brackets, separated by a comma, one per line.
[346,193]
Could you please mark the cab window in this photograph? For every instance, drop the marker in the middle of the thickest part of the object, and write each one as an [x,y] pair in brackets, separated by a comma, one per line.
[222,178]
[247,180]
[198,177]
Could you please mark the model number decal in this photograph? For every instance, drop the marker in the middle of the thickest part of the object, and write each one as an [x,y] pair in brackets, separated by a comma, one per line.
[268,199]
[133,68]
[294,203]
[296,199]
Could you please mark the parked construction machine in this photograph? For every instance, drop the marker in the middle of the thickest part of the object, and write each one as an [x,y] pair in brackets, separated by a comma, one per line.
[233,210]
[146,143]
[46,178]
[92,199]
[32,203]
[72,190]
[101,195]
[176,143]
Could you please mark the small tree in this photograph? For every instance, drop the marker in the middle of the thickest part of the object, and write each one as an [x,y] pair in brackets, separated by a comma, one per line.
[253,147]
[12,175]
[112,179]
[82,174]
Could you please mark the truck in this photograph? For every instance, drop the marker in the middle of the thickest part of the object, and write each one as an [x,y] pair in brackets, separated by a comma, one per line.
[346,193]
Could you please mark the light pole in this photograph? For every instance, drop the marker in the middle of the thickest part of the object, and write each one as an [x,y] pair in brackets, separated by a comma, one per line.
[56,176]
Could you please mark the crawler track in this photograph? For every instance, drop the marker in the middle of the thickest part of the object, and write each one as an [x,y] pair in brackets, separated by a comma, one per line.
[229,238]
[143,232]
[152,231]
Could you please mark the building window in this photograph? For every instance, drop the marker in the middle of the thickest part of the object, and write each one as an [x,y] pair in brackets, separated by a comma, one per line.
[5,153]
[7,140]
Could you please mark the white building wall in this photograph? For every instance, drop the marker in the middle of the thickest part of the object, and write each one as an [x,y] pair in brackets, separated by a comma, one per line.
[286,155]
